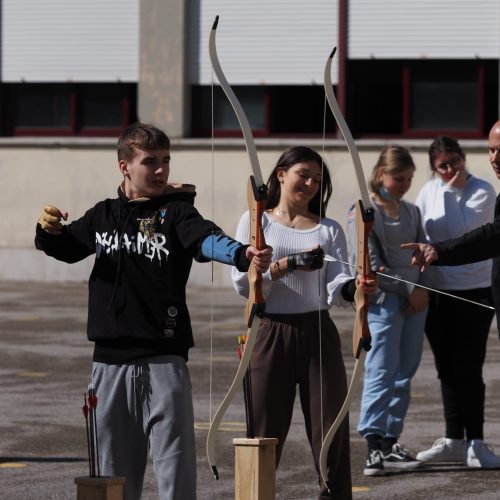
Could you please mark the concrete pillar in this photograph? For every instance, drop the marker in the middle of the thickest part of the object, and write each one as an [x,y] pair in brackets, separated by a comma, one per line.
[163,86]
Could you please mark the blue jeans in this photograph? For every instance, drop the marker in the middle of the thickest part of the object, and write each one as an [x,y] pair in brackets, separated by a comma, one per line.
[397,342]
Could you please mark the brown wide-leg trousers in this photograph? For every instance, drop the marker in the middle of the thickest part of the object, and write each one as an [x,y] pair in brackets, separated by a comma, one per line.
[287,354]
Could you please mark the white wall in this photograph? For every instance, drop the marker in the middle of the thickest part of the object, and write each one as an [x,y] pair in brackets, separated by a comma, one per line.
[74,175]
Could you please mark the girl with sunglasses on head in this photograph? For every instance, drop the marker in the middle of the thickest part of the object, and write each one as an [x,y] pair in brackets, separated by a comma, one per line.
[452,203]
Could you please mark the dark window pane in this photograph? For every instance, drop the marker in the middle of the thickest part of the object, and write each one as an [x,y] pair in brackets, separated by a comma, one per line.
[251,100]
[41,105]
[444,97]
[374,97]
[299,110]
[100,105]
[490,109]
[271,110]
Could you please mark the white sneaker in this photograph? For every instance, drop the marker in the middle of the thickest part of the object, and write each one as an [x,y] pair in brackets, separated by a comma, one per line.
[444,450]
[481,455]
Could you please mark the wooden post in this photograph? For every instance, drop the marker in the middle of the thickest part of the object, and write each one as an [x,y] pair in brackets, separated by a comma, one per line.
[99,488]
[255,468]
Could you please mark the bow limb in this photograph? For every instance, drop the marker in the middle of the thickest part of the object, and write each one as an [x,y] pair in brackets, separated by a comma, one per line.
[323,456]
[364,222]
[240,114]
[257,199]
[344,129]
[238,379]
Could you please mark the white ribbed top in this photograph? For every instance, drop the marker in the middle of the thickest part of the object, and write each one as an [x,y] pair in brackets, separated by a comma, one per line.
[300,291]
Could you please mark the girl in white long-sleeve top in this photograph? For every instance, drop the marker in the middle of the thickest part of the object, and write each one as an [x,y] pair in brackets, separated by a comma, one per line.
[297,343]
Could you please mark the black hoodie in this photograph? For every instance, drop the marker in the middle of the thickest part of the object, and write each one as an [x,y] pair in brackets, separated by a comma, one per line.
[144,250]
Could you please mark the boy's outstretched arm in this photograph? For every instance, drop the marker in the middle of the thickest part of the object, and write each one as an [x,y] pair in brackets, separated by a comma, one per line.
[223,248]
[50,220]
[56,239]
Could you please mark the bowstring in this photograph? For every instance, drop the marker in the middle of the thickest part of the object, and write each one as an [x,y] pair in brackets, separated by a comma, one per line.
[418,285]
[212,288]
[319,275]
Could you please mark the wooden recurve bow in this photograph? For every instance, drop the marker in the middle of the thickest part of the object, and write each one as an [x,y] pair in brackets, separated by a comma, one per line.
[257,199]
[364,222]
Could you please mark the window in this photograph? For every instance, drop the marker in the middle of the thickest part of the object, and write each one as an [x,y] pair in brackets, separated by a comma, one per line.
[68,109]
[271,111]
[421,98]
[47,106]
[374,98]
[225,122]
[102,106]
[444,97]
[299,111]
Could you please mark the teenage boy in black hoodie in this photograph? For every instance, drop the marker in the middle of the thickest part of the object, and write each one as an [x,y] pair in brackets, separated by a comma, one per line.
[144,241]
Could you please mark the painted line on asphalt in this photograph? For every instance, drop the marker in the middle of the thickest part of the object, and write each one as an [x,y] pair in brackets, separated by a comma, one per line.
[225,426]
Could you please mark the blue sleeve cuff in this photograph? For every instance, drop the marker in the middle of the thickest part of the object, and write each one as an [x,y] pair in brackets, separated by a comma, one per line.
[221,248]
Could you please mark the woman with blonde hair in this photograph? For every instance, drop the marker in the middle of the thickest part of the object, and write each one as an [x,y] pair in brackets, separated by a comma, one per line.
[396,315]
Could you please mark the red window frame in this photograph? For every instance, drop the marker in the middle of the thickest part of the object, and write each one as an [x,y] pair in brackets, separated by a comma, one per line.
[74,129]
[408,132]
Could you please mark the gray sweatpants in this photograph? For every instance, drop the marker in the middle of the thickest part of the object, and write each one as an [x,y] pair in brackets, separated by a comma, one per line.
[143,405]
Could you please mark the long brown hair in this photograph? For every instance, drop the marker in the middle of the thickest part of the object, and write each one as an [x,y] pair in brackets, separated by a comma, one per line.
[288,159]
[444,144]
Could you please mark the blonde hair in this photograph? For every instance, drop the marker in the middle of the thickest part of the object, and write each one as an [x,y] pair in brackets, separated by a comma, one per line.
[393,160]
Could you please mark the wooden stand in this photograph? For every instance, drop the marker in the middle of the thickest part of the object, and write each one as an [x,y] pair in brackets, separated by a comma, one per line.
[99,488]
[255,468]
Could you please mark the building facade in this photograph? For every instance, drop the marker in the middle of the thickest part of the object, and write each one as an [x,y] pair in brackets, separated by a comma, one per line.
[403,69]
[74,73]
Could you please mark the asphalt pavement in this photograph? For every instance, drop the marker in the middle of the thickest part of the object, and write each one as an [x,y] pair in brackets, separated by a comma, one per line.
[45,368]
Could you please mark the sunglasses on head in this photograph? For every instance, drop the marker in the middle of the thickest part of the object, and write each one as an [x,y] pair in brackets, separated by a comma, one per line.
[452,162]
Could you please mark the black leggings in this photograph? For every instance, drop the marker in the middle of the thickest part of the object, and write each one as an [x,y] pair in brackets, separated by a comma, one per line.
[458,333]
